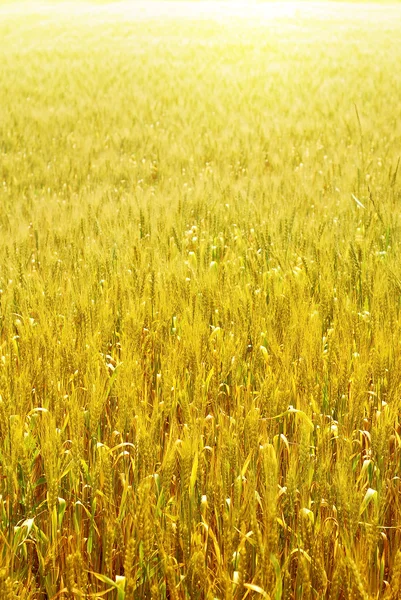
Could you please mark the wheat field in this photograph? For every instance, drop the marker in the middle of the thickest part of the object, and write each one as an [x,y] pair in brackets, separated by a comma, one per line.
[200,294]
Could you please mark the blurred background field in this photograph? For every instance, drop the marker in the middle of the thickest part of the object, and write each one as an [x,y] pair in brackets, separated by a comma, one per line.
[200,293]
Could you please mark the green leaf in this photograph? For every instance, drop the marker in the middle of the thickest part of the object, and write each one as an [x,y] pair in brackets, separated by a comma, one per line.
[120,582]
[61,510]
[246,464]
[277,571]
[194,471]
[265,353]
[21,534]
[257,589]
[309,514]
[370,495]
[105,579]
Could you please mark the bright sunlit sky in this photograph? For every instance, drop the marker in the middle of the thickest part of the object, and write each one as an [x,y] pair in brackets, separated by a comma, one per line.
[144,9]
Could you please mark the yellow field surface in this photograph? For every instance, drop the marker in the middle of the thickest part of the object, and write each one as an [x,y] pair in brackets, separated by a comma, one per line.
[200,295]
